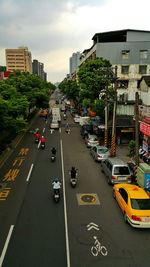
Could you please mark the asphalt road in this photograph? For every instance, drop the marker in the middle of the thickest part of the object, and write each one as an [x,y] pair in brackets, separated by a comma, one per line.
[85,229]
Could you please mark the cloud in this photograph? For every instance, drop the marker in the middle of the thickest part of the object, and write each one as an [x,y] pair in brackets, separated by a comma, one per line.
[54,29]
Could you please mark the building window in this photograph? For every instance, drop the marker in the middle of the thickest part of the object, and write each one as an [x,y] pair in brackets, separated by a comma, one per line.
[124,69]
[122,84]
[143,54]
[142,69]
[125,54]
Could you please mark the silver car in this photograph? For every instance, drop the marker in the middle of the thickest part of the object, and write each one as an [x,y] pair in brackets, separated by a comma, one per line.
[91,140]
[116,171]
[99,153]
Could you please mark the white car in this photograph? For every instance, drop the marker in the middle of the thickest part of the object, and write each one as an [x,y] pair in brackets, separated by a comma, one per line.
[54,125]
[91,140]
[76,118]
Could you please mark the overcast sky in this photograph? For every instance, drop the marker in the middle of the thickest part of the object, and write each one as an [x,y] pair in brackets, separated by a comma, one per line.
[54,29]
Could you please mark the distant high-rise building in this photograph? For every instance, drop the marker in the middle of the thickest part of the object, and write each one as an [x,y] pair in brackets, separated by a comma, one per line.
[18,59]
[74,62]
[38,69]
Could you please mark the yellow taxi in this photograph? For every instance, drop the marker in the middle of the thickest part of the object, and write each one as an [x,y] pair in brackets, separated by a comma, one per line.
[134,203]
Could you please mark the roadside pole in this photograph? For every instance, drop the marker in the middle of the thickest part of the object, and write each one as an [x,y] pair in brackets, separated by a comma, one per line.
[136,128]
[106,122]
[113,138]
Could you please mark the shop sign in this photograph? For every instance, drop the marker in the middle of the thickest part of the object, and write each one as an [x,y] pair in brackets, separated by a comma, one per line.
[130,130]
[145,146]
[145,128]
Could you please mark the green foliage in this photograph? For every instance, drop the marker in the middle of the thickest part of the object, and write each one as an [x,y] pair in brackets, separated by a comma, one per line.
[69,88]
[99,107]
[19,93]
[94,76]
[86,102]
[131,148]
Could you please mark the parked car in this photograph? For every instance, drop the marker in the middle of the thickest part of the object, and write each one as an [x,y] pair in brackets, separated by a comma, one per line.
[116,171]
[99,153]
[76,118]
[91,140]
[134,203]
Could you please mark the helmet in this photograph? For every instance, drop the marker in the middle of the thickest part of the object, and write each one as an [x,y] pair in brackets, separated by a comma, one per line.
[42,136]
[56,180]
[73,168]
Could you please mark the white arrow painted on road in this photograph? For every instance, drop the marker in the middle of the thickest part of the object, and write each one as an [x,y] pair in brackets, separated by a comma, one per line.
[92,226]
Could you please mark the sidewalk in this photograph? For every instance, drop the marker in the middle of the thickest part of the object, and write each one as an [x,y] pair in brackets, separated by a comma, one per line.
[121,152]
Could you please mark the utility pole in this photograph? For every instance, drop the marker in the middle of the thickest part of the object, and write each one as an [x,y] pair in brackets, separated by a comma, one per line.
[136,128]
[106,121]
[113,137]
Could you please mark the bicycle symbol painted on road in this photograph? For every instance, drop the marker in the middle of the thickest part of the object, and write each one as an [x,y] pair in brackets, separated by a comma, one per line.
[97,248]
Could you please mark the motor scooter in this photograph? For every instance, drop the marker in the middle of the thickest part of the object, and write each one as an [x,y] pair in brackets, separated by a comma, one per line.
[53,157]
[68,131]
[56,195]
[73,180]
[43,145]
[36,140]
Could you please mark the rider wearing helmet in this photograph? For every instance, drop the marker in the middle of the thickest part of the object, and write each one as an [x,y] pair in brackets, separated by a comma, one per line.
[37,134]
[56,185]
[53,150]
[73,172]
[42,140]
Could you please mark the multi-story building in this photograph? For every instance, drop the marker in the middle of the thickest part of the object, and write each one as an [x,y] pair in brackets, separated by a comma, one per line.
[18,59]
[74,62]
[127,49]
[38,69]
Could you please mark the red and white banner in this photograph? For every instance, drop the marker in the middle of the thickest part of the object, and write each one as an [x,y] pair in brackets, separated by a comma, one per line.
[145,128]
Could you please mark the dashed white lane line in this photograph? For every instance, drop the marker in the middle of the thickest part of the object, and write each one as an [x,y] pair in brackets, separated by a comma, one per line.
[6,245]
[28,177]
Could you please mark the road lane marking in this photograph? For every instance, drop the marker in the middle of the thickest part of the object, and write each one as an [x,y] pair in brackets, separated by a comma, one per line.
[43,130]
[65,208]
[6,245]
[39,144]
[88,199]
[28,177]
[59,130]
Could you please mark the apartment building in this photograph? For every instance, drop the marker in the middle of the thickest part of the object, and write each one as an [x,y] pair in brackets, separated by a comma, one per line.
[127,49]
[18,59]
[74,62]
[38,69]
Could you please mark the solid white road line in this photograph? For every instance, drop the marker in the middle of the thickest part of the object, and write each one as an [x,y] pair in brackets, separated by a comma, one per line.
[65,208]
[6,244]
[28,177]
[59,130]
[43,130]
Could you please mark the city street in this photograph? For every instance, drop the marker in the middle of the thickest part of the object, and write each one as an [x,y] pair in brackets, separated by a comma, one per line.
[85,229]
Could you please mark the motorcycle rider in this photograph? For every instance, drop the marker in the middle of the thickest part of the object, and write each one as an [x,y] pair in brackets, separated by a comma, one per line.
[73,173]
[67,128]
[37,135]
[56,186]
[53,150]
[42,140]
